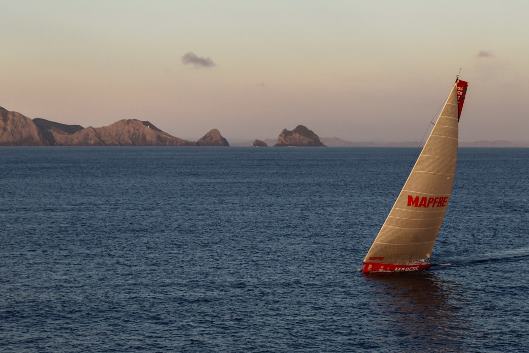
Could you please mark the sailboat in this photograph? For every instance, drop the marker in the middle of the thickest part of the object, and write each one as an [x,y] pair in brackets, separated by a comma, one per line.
[407,237]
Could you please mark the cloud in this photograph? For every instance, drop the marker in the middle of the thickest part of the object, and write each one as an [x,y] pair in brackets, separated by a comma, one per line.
[485,54]
[197,61]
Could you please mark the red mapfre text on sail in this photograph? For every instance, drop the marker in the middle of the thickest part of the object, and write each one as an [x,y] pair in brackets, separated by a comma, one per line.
[427,202]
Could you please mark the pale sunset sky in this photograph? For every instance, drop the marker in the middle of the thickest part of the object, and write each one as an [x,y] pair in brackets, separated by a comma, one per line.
[359,70]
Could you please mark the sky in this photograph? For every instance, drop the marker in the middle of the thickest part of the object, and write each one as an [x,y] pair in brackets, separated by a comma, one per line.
[359,70]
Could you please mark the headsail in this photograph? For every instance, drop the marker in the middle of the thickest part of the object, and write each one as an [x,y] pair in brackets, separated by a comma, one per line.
[407,237]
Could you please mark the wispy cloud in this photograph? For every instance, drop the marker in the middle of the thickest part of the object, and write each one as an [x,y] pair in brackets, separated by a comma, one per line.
[197,61]
[485,54]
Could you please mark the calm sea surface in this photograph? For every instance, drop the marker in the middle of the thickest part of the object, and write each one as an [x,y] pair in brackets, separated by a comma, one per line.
[252,250]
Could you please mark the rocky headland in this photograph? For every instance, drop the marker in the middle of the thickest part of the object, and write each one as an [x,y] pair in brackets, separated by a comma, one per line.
[17,129]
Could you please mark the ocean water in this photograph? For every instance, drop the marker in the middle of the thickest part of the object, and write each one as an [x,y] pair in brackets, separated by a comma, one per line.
[252,250]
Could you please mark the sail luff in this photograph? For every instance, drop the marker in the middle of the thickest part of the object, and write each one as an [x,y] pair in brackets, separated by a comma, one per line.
[408,234]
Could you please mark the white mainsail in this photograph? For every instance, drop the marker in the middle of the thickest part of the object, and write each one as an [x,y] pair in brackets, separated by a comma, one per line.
[407,237]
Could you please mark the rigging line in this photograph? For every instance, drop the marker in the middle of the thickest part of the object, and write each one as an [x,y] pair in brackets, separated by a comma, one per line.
[434,119]
[430,125]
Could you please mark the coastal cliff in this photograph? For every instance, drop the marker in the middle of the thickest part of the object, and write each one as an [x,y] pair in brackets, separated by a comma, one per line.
[19,130]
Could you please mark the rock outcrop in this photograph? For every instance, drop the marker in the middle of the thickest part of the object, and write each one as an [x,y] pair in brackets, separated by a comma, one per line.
[212,138]
[259,143]
[300,136]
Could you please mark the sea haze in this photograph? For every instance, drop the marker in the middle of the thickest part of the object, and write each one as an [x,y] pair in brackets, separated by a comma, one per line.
[252,250]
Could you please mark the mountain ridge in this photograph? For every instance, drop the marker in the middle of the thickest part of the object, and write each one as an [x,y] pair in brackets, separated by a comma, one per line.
[17,129]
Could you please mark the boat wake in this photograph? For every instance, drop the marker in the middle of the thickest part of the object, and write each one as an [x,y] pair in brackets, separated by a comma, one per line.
[509,255]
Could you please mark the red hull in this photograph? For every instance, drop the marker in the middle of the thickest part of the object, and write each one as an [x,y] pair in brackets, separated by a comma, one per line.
[371,267]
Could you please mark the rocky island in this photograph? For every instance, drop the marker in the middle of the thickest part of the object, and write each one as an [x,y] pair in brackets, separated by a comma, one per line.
[213,138]
[299,137]
[259,143]
[19,130]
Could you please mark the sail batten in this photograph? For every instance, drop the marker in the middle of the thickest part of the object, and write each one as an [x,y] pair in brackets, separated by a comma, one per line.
[397,244]
[413,219]
[390,226]
[406,243]
[417,192]
[419,211]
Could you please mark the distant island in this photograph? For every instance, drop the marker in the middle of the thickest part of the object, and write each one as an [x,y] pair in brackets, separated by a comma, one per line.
[300,136]
[213,138]
[19,130]
[259,143]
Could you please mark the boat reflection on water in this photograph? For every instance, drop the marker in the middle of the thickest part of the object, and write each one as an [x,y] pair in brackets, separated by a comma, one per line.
[421,310]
